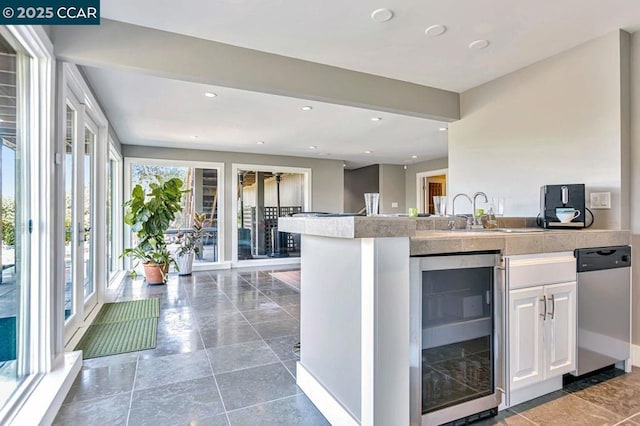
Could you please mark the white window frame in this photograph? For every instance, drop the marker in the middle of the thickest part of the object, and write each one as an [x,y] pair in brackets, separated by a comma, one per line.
[222,263]
[71,83]
[235,167]
[37,398]
[116,215]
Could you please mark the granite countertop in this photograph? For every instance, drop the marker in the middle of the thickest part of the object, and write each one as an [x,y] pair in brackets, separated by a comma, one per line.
[512,243]
[428,237]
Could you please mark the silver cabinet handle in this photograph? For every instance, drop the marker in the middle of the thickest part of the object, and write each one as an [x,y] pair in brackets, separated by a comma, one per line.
[553,306]
[544,302]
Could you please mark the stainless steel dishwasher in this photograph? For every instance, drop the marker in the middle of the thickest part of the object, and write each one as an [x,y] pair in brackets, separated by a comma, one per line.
[604,307]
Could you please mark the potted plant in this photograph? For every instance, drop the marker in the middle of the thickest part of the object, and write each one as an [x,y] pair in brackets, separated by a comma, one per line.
[149,216]
[190,244]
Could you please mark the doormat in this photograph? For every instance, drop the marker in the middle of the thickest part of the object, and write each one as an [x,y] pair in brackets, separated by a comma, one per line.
[122,327]
[127,311]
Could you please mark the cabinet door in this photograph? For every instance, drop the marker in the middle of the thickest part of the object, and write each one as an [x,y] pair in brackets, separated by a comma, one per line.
[560,328]
[525,336]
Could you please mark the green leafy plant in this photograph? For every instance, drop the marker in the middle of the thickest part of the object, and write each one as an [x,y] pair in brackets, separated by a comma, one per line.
[149,216]
[190,242]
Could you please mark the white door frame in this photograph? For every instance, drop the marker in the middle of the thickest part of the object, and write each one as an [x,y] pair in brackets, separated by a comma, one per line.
[74,89]
[420,191]
[235,167]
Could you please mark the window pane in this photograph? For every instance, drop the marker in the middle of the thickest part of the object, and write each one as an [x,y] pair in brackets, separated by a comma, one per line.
[69,246]
[262,198]
[201,198]
[14,294]
[111,256]
[89,149]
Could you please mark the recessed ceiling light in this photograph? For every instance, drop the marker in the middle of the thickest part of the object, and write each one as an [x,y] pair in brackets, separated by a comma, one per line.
[312,147]
[443,129]
[260,142]
[307,108]
[382,15]
[479,44]
[435,30]
[1,120]
[376,118]
[414,156]
[210,95]
[344,164]
[368,152]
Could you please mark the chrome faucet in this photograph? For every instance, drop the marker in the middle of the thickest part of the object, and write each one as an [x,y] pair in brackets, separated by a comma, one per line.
[477,220]
[453,203]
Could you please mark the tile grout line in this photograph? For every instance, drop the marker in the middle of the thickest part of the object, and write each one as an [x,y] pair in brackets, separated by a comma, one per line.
[206,353]
[270,348]
[591,403]
[133,386]
[261,403]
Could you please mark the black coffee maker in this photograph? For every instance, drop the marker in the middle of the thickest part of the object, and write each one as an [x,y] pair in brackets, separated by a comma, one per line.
[562,206]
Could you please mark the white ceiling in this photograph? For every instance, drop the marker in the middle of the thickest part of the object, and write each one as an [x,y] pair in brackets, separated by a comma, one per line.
[153,111]
[341,33]
[156,111]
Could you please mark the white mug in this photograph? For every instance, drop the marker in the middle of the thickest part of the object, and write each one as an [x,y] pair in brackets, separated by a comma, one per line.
[567,216]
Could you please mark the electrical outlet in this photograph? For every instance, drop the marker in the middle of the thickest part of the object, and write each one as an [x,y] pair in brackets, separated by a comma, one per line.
[394,205]
[600,200]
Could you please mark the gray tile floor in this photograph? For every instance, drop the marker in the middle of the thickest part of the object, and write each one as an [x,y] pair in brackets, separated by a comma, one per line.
[223,357]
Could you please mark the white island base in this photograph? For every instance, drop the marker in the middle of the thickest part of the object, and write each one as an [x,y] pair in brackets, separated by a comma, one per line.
[354,329]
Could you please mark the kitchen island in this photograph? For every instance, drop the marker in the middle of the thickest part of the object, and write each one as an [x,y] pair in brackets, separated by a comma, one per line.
[355,302]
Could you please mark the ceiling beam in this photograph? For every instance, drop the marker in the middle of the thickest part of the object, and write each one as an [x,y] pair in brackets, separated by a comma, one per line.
[119,45]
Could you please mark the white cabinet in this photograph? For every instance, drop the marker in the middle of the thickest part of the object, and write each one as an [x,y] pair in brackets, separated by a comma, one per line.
[541,322]
[542,333]
[525,336]
[560,329]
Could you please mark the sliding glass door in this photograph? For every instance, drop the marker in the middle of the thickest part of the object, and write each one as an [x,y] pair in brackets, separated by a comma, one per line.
[14,194]
[264,194]
[204,181]
[80,160]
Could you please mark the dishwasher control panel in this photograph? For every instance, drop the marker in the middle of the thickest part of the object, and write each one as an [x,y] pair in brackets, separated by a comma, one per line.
[599,258]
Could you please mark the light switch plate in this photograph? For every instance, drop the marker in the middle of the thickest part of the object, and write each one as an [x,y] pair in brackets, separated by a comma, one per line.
[394,205]
[600,200]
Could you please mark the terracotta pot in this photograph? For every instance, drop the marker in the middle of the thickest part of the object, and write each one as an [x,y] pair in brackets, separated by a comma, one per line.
[153,272]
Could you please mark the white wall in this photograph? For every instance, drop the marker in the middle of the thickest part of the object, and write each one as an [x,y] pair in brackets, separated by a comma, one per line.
[556,121]
[326,176]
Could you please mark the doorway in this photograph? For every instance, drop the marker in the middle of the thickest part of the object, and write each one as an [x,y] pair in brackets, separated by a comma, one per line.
[428,185]
[263,194]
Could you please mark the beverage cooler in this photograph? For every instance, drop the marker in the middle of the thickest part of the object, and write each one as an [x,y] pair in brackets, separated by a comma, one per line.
[456,338]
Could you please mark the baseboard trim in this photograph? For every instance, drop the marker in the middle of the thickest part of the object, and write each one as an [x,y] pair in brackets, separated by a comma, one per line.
[635,355]
[335,413]
[42,405]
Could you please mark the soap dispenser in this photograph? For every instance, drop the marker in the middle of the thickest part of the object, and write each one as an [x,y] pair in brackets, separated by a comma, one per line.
[489,220]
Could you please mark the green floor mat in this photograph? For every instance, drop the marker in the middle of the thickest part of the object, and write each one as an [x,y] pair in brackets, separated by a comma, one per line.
[126,311]
[119,337]
[122,327]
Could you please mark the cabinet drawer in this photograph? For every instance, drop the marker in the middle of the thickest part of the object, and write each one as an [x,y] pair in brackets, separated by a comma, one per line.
[540,269]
